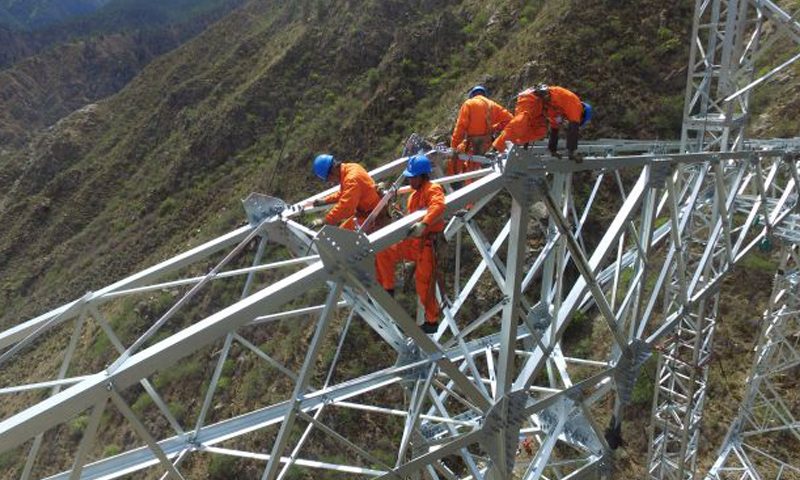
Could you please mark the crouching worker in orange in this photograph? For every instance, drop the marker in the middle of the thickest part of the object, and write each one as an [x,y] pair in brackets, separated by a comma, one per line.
[528,124]
[563,107]
[421,247]
[356,198]
[478,120]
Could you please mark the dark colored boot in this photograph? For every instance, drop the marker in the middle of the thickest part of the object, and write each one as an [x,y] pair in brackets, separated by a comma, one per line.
[430,328]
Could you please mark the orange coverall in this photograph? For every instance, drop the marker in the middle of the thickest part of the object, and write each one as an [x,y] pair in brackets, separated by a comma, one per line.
[528,124]
[478,119]
[356,198]
[563,106]
[418,250]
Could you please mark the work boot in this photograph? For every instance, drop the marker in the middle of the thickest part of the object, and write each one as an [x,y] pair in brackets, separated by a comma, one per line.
[430,328]
[555,154]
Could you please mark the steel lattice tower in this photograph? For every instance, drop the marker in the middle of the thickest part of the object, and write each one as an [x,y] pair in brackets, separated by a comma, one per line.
[504,366]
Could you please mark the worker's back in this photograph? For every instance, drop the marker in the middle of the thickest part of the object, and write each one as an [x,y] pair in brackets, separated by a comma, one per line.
[564,105]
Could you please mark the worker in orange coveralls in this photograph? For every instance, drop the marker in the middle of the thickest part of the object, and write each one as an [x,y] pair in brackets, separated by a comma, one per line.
[421,247]
[356,198]
[562,106]
[478,120]
[528,124]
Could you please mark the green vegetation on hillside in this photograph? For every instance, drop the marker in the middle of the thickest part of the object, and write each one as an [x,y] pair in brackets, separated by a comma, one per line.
[245,105]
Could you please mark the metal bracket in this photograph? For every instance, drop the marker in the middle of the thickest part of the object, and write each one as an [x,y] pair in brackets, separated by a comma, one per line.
[344,253]
[522,171]
[505,418]
[660,171]
[258,207]
[628,368]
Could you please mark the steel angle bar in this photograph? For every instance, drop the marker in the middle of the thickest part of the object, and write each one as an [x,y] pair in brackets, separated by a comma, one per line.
[223,356]
[221,275]
[579,289]
[303,381]
[513,294]
[344,441]
[302,462]
[47,414]
[140,458]
[89,435]
[148,387]
[292,313]
[472,282]
[784,20]
[167,267]
[62,372]
[140,429]
[587,271]
[431,457]
[42,385]
[393,233]
[139,342]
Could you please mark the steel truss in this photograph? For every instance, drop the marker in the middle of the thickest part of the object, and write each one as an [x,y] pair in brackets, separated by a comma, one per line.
[727,39]
[766,426]
[545,328]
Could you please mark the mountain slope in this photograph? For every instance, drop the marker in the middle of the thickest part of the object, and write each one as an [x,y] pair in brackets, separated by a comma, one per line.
[245,105]
[38,90]
[40,13]
[205,124]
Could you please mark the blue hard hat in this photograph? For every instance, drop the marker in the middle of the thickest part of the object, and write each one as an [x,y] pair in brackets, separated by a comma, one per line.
[477,90]
[322,166]
[417,165]
[587,113]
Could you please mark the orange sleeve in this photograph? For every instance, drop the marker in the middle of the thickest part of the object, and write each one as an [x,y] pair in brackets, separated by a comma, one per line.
[567,104]
[500,117]
[436,204]
[573,111]
[347,203]
[333,197]
[461,126]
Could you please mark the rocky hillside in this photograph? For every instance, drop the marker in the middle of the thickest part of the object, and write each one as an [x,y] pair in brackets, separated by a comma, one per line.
[205,124]
[162,164]
[41,89]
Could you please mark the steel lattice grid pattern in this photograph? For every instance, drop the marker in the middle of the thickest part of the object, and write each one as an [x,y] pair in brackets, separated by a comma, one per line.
[557,394]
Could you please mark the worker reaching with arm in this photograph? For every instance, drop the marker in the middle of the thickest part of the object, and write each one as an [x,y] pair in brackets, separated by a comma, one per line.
[420,248]
[478,120]
[562,106]
[356,198]
[528,124]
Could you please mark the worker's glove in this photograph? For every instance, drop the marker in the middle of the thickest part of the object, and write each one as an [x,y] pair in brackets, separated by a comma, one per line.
[417,229]
[555,154]
[382,187]
[314,203]
[317,223]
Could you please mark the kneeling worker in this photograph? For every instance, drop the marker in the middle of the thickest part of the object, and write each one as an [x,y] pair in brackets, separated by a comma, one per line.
[563,107]
[421,247]
[528,124]
[356,198]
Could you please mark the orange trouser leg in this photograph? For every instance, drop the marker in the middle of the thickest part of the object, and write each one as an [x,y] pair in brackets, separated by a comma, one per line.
[425,279]
[386,260]
[413,250]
